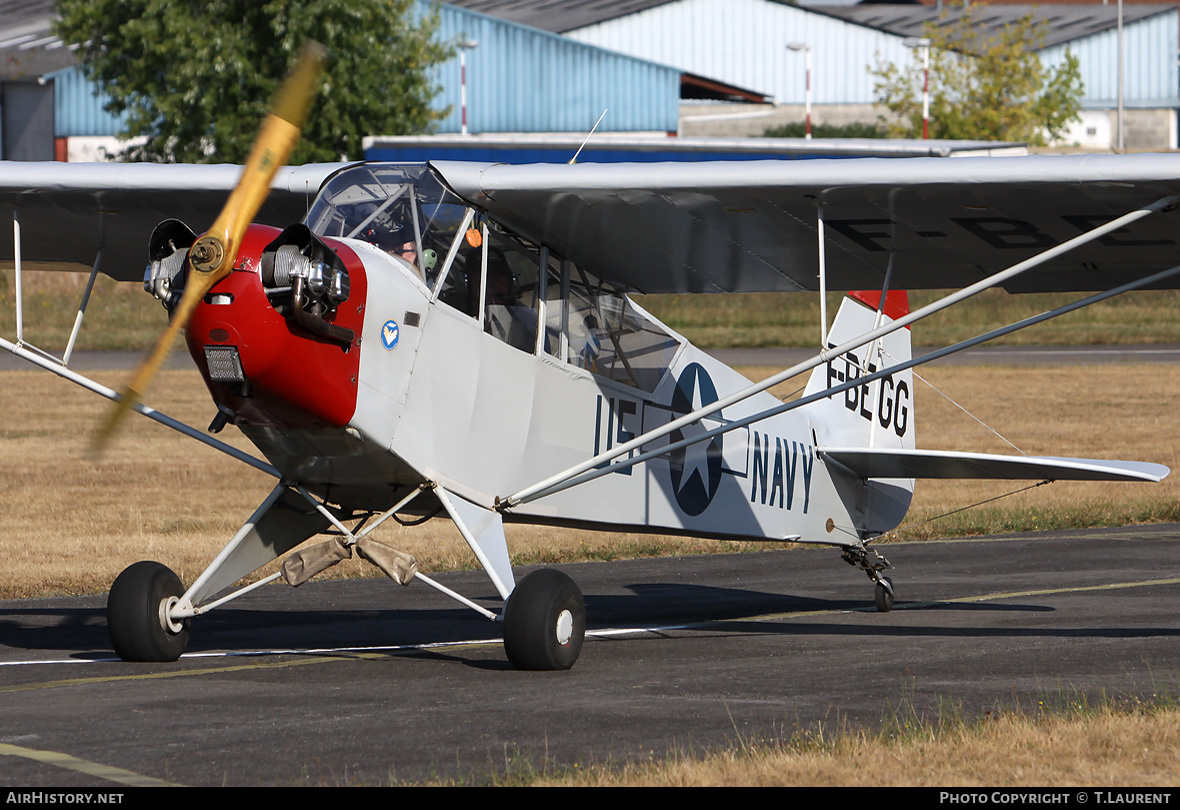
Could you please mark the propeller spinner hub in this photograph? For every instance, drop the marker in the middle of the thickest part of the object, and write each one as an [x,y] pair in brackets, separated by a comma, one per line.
[207,254]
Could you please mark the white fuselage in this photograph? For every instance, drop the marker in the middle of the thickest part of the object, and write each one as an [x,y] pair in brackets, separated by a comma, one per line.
[485,419]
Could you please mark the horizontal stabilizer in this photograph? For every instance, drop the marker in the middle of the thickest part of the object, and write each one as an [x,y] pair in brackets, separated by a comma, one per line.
[869,462]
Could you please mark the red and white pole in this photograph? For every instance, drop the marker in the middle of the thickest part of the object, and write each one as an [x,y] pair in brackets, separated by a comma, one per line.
[807,95]
[463,48]
[924,44]
[463,87]
[803,46]
[926,93]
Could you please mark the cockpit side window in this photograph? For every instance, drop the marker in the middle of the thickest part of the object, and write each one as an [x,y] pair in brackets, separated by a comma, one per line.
[586,322]
[506,305]
[510,300]
[611,336]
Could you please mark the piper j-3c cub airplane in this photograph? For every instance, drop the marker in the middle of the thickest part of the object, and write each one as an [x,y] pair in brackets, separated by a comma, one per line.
[455,338]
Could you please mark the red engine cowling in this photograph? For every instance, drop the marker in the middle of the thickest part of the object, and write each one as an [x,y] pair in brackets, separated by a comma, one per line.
[290,377]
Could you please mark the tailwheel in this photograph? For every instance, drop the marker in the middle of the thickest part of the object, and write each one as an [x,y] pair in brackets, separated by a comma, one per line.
[883,594]
[544,622]
[137,614]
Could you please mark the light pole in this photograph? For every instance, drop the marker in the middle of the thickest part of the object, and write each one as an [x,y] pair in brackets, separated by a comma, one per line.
[924,44]
[464,46]
[806,48]
[1121,142]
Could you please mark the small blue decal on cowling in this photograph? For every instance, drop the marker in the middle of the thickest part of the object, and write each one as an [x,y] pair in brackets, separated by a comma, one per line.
[389,334]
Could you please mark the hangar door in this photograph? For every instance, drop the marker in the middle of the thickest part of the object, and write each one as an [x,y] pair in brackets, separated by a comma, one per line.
[26,121]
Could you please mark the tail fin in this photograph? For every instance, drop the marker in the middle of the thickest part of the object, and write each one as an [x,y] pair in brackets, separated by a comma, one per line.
[875,414]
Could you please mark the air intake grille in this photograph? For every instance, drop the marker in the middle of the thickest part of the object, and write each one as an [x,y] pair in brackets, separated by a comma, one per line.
[224,364]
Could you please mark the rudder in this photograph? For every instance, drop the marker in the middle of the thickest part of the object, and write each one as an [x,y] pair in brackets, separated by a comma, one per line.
[878,413]
[875,414]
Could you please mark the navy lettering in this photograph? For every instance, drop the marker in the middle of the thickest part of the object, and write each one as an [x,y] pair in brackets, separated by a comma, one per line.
[760,466]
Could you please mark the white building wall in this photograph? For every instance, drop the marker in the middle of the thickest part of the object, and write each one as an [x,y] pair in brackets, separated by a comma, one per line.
[743,42]
[1151,77]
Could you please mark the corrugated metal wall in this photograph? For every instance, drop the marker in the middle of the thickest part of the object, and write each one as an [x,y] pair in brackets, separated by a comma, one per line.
[78,106]
[1150,47]
[522,79]
[743,42]
[525,80]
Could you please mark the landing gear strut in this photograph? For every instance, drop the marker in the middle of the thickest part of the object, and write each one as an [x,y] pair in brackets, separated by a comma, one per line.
[883,592]
[544,622]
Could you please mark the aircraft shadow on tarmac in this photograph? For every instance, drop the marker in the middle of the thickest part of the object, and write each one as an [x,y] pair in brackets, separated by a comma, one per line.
[82,632]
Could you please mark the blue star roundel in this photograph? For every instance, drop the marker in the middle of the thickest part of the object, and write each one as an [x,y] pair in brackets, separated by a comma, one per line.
[389,334]
[696,469]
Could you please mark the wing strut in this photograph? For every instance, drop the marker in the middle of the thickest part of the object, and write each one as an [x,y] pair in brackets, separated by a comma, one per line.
[586,471]
[60,366]
[836,389]
[823,277]
[57,368]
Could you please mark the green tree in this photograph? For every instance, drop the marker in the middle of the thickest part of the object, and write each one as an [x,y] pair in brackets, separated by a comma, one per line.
[798,129]
[988,87]
[197,76]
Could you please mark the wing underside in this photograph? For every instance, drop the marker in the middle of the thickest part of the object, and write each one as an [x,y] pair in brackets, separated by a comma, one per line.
[753,226]
[741,226]
[67,212]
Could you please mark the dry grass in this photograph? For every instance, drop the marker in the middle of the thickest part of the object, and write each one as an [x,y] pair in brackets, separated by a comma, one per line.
[72,523]
[119,316]
[122,316]
[1114,412]
[1108,747]
[792,319]
[1111,412]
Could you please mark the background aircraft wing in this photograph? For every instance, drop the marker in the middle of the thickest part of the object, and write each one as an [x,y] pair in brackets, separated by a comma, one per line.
[752,225]
[869,462]
[67,211]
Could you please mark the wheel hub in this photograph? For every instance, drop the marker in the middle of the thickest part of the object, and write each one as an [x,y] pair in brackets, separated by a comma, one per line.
[166,620]
[565,627]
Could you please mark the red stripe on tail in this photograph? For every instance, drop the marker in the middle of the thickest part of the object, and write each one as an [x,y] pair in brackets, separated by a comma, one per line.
[897,302]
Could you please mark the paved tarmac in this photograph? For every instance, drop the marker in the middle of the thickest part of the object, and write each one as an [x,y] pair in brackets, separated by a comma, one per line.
[364,682]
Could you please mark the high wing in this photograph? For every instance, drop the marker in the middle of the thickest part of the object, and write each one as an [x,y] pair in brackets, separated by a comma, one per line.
[752,226]
[686,227]
[69,211]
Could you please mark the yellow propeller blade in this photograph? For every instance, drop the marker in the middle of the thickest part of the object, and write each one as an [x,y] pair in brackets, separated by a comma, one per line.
[212,256]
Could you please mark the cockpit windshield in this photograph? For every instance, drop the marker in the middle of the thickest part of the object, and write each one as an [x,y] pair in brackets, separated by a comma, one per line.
[401,209]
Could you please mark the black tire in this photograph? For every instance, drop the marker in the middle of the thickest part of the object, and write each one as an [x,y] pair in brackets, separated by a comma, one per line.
[134,618]
[884,596]
[544,622]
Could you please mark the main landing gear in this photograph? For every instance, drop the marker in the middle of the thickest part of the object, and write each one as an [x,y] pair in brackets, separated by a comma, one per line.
[137,614]
[544,619]
[148,611]
[544,622]
[883,591]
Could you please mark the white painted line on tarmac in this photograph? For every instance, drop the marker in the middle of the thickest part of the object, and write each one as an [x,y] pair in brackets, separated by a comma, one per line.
[603,633]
